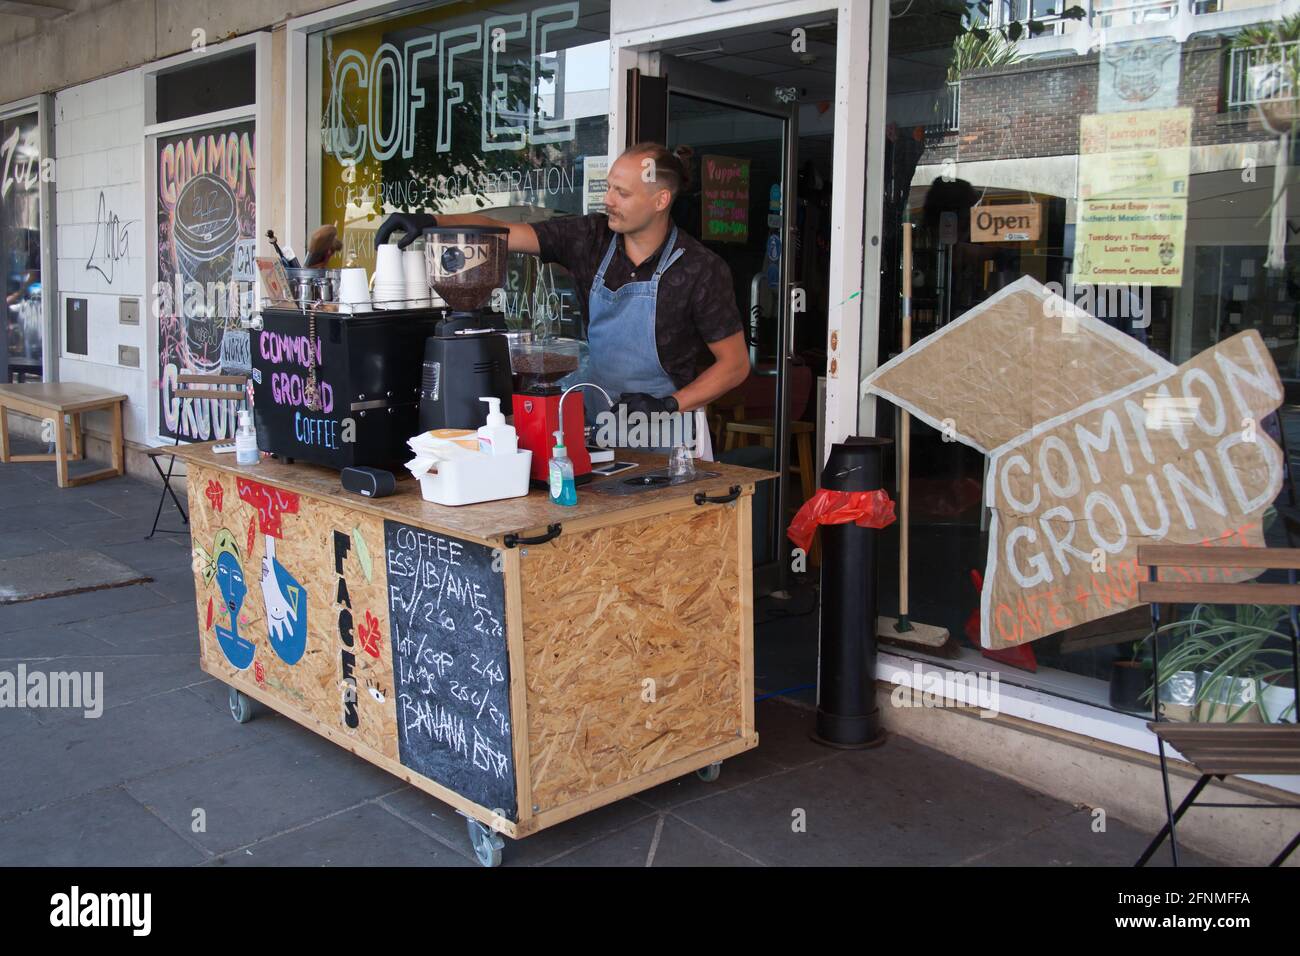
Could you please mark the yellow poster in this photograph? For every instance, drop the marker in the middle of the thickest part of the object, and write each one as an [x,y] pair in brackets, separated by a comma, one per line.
[1130,241]
[1132,215]
[1136,155]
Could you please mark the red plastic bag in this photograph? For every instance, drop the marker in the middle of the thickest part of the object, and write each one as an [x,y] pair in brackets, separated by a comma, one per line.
[868,509]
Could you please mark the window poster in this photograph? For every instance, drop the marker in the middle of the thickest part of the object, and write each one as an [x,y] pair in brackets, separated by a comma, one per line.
[1133,175]
[207,240]
[724,195]
[595,173]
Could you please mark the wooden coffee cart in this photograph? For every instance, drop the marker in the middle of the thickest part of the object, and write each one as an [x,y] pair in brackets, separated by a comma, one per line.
[521,661]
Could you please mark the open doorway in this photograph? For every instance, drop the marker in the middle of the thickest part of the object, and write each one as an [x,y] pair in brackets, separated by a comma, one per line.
[752,112]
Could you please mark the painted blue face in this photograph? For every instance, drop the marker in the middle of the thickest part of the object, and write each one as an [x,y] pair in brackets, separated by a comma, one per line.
[230,578]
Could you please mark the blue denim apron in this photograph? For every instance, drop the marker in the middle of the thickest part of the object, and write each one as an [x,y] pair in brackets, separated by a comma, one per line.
[621,333]
[621,330]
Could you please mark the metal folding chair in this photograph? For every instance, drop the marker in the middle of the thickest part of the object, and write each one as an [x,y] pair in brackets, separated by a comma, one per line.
[191,387]
[1219,750]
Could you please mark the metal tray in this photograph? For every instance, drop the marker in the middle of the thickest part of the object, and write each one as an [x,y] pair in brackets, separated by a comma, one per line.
[646,481]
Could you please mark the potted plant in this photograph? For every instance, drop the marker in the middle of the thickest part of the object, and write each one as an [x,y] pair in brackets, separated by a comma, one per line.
[1235,657]
[1273,70]
[1130,679]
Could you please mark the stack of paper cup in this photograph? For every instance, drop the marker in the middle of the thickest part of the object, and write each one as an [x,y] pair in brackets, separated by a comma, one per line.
[416,275]
[388,285]
[354,293]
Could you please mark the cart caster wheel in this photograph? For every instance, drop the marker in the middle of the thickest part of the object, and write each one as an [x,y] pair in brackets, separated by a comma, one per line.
[710,773]
[241,707]
[487,843]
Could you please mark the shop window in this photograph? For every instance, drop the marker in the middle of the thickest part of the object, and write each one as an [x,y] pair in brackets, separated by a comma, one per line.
[20,246]
[209,85]
[459,109]
[202,142]
[1102,182]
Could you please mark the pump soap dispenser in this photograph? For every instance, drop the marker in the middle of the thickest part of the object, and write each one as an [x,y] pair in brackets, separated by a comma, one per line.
[563,489]
[246,440]
[496,437]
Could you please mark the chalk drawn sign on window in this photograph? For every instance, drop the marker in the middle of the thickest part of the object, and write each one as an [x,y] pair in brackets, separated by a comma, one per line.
[207,227]
[452,677]
[725,198]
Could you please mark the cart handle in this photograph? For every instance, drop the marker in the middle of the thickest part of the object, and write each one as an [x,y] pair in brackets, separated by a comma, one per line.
[552,532]
[702,498]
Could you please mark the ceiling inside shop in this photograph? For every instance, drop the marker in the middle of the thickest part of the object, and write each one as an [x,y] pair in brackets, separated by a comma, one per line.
[921,33]
[766,53]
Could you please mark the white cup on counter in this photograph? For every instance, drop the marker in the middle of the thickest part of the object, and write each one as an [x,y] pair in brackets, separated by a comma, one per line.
[416,276]
[354,291]
[388,295]
[388,265]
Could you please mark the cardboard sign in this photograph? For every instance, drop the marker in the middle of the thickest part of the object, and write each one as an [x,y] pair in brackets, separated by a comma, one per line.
[1012,223]
[1173,455]
[724,193]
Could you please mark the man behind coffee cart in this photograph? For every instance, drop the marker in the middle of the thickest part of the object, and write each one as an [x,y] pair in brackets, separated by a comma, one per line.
[651,293]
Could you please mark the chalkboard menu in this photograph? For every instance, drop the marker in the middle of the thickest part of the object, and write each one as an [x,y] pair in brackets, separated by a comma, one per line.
[206,231]
[446,603]
[724,195]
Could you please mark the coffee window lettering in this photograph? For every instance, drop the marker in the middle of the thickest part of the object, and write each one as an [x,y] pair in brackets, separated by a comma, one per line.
[466,110]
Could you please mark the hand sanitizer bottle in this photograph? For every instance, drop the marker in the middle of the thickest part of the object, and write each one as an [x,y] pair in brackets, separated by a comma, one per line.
[563,489]
[246,440]
[496,437]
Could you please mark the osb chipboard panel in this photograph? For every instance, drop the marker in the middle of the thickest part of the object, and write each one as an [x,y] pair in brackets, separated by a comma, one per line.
[323,650]
[487,522]
[632,643]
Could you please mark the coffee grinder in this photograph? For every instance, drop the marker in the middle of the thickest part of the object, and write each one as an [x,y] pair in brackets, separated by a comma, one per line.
[537,366]
[467,357]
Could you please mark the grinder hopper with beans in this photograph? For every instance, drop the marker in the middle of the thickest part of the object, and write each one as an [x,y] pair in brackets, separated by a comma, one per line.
[468,358]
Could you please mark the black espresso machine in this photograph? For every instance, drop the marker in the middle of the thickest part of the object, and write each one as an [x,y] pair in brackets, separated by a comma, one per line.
[365,373]
[357,394]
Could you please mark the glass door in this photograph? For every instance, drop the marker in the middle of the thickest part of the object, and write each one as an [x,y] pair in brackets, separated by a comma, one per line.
[739,137]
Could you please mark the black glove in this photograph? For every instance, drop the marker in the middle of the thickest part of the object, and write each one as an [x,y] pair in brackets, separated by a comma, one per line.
[411,223]
[648,404]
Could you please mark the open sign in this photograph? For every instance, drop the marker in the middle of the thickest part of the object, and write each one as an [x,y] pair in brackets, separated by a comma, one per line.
[1007,223]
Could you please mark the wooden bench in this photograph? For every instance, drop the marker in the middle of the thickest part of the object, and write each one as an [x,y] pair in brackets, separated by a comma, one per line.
[50,402]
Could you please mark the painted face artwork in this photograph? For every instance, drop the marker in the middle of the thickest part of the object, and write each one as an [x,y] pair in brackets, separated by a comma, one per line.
[286,607]
[230,578]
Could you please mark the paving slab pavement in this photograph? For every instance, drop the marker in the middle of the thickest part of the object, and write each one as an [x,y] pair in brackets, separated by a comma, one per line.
[165,777]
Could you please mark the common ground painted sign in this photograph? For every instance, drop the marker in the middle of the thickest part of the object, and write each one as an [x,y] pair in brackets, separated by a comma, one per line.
[1096,445]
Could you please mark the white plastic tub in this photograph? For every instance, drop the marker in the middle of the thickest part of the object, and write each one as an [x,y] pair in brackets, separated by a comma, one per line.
[467,481]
